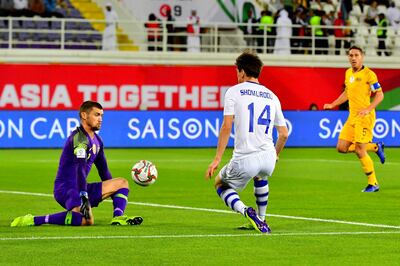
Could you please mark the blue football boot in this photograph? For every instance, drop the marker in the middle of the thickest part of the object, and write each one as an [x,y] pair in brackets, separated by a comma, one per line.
[259,225]
[381,151]
[371,188]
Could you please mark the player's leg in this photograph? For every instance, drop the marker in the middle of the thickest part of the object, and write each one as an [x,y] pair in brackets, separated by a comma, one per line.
[231,178]
[363,136]
[261,192]
[379,149]
[345,146]
[118,190]
[368,123]
[69,199]
[346,139]
[61,218]
[229,196]
[265,165]
[368,167]
[232,200]
[112,186]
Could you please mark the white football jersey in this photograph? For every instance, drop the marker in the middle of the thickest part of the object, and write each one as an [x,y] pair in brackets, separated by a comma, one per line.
[256,111]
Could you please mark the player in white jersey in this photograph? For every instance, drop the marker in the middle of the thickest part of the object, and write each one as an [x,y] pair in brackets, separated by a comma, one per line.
[255,111]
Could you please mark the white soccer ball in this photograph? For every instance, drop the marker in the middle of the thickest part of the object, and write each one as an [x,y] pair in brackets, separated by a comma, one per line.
[144,173]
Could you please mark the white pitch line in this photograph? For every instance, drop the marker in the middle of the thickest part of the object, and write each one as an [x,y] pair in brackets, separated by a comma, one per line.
[195,236]
[355,161]
[123,160]
[26,193]
[222,211]
[289,160]
[268,214]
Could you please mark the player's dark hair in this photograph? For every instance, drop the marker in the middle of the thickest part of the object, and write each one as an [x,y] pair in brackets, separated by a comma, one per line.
[87,106]
[250,63]
[355,47]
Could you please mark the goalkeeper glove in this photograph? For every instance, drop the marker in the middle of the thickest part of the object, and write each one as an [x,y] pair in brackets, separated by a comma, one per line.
[85,205]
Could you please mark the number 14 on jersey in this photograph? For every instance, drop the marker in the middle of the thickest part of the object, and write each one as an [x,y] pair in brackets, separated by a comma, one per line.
[263,118]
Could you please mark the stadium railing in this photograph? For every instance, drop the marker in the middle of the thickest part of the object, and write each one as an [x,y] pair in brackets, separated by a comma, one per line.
[81,34]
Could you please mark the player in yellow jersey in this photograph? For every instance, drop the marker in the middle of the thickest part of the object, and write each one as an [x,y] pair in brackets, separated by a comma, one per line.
[356,134]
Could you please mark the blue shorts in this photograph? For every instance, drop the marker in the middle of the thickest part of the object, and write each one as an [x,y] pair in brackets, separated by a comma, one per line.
[69,198]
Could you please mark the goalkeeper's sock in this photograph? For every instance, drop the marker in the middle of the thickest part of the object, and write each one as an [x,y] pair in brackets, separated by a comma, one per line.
[231,199]
[61,218]
[120,199]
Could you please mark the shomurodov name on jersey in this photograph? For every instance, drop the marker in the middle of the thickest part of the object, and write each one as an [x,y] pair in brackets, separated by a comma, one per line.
[262,94]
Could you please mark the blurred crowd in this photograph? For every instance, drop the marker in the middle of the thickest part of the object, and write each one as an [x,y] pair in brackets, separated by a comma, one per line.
[282,27]
[297,27]
[289,24]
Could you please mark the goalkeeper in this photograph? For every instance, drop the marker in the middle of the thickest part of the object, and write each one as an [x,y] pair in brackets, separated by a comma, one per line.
[83,149]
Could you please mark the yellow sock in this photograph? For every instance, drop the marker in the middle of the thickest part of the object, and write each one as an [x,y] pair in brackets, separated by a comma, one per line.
[372,147]
[368,167]
[352,148]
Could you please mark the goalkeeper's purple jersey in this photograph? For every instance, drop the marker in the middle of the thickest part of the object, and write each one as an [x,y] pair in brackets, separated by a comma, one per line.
[77,158]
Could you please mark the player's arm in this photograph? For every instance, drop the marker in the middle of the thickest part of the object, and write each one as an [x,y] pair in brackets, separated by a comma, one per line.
[82,188]
[341,99]
[223,139]
[282,138]
[281,128]
[377,99]
[101,165]
[80,166]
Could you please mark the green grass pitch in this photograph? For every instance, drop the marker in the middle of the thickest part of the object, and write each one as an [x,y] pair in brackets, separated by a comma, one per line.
[317,213]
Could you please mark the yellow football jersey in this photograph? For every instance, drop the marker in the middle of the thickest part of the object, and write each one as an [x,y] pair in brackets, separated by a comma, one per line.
[359,87]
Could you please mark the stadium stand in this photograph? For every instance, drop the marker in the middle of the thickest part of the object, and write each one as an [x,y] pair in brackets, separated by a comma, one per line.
[92,12]
[81,28]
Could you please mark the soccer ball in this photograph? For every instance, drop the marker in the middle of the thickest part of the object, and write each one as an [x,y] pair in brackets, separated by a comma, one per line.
[144,173]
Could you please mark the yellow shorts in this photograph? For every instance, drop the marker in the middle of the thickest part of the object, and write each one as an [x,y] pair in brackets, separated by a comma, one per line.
[358,130]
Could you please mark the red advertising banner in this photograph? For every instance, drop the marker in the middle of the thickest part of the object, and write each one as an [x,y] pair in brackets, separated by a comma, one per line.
[64,87]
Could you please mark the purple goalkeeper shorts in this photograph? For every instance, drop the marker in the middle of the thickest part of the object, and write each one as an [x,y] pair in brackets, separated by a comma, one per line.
[69,197]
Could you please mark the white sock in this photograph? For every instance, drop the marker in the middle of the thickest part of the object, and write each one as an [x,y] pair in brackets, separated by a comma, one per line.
[232,200]
[261,192]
